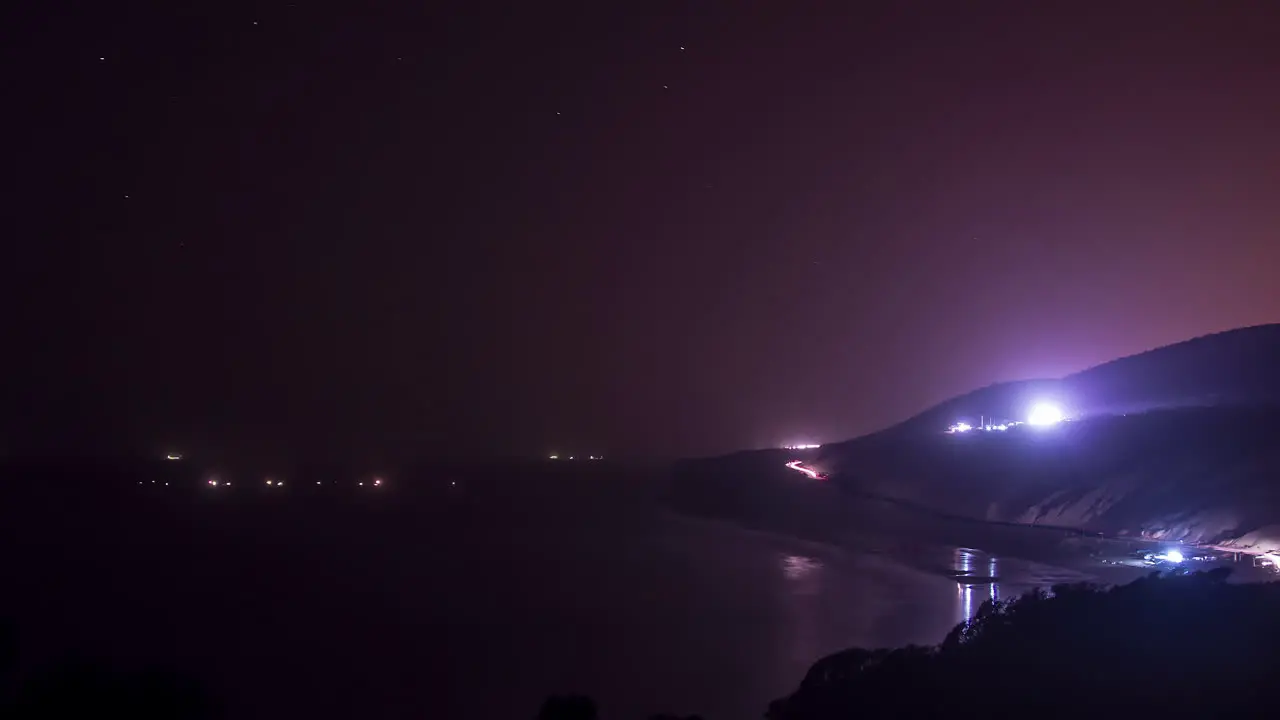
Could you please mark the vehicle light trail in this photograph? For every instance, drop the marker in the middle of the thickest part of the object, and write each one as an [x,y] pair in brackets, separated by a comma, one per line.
[795,465]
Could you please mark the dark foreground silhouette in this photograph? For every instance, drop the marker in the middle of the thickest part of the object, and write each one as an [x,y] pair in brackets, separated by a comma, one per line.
[1190,645]
[81,689]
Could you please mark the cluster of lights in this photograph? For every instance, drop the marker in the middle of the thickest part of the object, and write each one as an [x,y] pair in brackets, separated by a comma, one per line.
[1270,560]
[1041,415]
[962,427]
[571,457]
[811,446]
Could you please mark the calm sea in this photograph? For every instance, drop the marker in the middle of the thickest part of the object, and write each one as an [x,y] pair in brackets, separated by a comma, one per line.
[479,600]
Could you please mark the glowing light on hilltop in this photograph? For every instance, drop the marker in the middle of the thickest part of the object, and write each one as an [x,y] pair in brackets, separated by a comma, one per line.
[960,427]
[809,446]
[1045,414]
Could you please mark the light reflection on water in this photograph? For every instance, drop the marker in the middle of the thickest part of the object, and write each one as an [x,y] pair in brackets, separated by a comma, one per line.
[965,562]
[804,570]
[803,580]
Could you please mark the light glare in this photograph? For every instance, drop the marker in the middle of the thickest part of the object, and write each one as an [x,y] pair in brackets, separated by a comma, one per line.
[1045,414]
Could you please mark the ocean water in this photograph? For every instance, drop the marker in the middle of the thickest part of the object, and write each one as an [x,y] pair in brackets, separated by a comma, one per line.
[480,599]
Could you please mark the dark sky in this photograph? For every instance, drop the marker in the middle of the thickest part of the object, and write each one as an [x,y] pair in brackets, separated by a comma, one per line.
[652,227]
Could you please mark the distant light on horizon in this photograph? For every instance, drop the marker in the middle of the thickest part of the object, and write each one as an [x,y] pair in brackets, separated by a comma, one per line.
[173,456]
[809,446]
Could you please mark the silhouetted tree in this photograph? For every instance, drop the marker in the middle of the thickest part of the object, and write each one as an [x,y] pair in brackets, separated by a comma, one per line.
[1172,645]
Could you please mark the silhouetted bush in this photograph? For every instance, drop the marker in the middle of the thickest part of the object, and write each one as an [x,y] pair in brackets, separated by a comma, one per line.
[1176,645]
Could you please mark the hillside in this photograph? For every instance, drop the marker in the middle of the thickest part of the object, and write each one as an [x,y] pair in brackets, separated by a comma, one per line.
[1232,368]
[1178,442]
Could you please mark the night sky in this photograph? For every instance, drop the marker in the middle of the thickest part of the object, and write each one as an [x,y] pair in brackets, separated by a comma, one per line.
[656,227]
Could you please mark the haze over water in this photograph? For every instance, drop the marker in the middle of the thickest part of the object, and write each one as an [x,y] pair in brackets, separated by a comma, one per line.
[482,601]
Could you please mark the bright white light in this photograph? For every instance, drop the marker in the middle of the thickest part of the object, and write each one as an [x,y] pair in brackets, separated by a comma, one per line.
[173,456]
[1173,556]
[960,427]
[554,457]
[377,481]
[1045,414]
[809,446]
